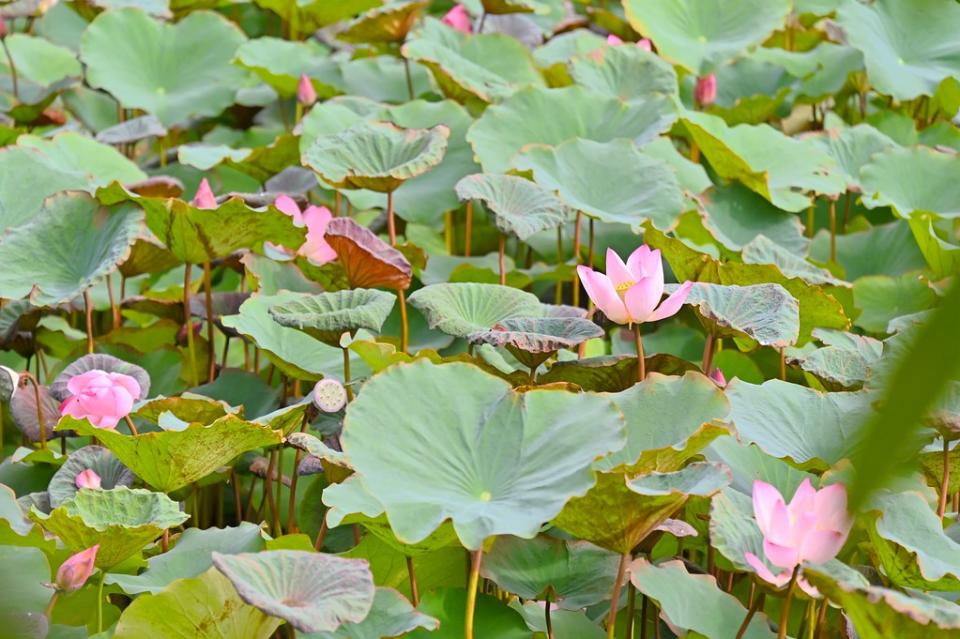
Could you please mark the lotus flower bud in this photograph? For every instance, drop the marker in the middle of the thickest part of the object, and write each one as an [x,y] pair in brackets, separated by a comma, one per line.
[3,28]
[459,19]
[613,40]
[9,380]
[87,479]
[329,395]
[645,44]
[717,376]
[706,91]
[75,571]
[204,199]
[306,94]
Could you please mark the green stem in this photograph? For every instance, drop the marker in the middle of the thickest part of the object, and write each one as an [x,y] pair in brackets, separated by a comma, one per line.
[754,607]
[631,609]
[88,316]
[412,574]
[501,261]
[13,68]
[475,559]
[406,71]
[53,601]
[558,290]
[641,361]
[833,230]
[945,481]
[191,349]
[346,374]
[785,611]
[468,231]
[548,622]
[615,596]
[208,302]
[404,323]
[103,575]
[576,257]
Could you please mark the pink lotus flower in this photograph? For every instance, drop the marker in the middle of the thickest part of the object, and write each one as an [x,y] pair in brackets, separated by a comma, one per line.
[87,479]
[306,94]
[643,43]
[459,19]
[75,571]
[315,218]
[717,376]
[812,527]
[100,397]
[706,91]
[630,293]
[204,199]
[613,40]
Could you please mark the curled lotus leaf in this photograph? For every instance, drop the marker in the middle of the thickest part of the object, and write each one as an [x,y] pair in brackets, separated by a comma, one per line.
[766,313]
[538,334]
[102,362]
[463,308]
[389,23]
[519,206]
[112,473]
[367,261]
[23,408]
[391,616]
[326,316]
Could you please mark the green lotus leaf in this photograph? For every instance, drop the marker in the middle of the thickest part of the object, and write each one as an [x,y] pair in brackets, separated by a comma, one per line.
[508,436]
[520,207]
[482,68]
[611,373]
[23,571]
[205,607]
[43,68]
[492,617]
[881,298]
[207,156]
[853,148]
[822,71]
[904,67]
[694,603]
[763,250]
[628,73]
[384,78]
[691,33]
[306,16]
[112,473]
[83,241]
[748,463]
[203,235]
[811,428]
[154,66]
[611,181]
[572,574]
[565,623]
[389,23]
[845,360]
[121,520]
[878,612]
[326,316]
[692,177]
[552,57]
[171,459]
[293,352]
[538,334]
[932,461]
[885,249]
[280,63]
[312,591]
[460,309]
[103,362]
[314,446]
[551,116]
[36,168]
[190,557]
[942,256]
[766,313]
[188,408]
[913,180]
[376,155]
[504,7]
[391,616]
[780,168]
[737,217]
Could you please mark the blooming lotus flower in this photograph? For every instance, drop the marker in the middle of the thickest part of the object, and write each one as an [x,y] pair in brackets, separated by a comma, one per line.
[705,92]
[459,19]
[204,199]
[812,527]
[101,397]
[630,293]
[306,94]
[717,376]
[315,218]
[87,479]
[75,571]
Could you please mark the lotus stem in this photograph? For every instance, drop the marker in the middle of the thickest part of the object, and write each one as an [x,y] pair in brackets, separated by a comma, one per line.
[631,609]
[103,575]
[468,231]
[548,622]
[208,300]
[268,493]
[755,605]
[13,68]
[280,450]
[475,558]
[114,311]
[406,71]
[833,230]
[558,291]
[88,317]
[226,350]
[412,573]
[40,421]
[576,257]
[336,203]
[811,218]
[641,361]
[48,613]
[191,349]
[292,504]
[500,253]
[448,231]
[322,534]
[165,540]
[391,221]
[130,425]
[709,347]
[783,363]
[821,618]
[483,18]
[346,374]
[785,611]
[615,595]
[404,325]
[945,482]
[237,507]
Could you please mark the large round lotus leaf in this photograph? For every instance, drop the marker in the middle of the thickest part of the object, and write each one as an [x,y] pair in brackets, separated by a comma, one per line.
[843,362]
[326,316]
[81,240]
[612,373]
[884,249]
[519,206]
[550,116]
[121,520]
[23,409]
[822,71]
[389,23]
[306,16]
[811,428]
[174,71]
[280,63]
[695,603]
[367,261]
[881,298]
[901,66]
[296,354]
[391,616]
[376,155]
[204,607]
[749,463]
[701,35]
[36,168]
[628,73]
[485,68]
[112,473]
[766,313]
[24,572]
[190,557]
[691,175]
[611,181]
[780,168]
[186,408]
[102,362]
[538,334]
[384,77]
[942,256]
[913,180]
[736,216]
[43,69]
[669,420]
[852,148]
[527,453]
[572,574]
[877,612]
[172,459]
[763,250]
[463,308]
[203,235]
[312,591]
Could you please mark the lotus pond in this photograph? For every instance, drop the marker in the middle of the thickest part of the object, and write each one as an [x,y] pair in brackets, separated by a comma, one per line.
[509,319]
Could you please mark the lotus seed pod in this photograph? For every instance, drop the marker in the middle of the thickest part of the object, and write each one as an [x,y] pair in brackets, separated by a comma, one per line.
[329,395]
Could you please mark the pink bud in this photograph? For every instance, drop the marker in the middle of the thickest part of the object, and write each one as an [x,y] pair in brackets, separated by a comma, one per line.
[87,479]
[645,44]
[75,571]
[717,376]
[459,19]
[204,199]
[613,40]
[3,28]
[706,91]
[306,94]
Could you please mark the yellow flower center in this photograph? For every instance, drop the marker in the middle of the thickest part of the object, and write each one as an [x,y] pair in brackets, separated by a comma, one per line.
[623,288]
